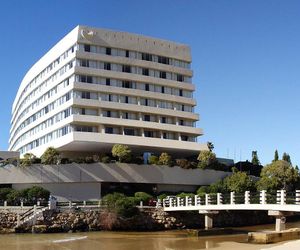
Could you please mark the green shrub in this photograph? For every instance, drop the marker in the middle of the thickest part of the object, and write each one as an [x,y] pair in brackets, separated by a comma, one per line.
[4,192]
[162,196]
[28,159]
[203,190]
[89,159]
[126,207]
[50,156]
[165,159]
[110,199]
[206,159]
[153,160]
[105,159]
[142,196]
[14,196]
[36,193]
[122,152]
[184,163]
[183,195]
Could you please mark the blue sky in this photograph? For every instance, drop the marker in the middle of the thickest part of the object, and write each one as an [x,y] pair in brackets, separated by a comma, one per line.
[246,60]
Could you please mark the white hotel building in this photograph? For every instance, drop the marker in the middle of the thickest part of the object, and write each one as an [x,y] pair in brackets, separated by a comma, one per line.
[96,88]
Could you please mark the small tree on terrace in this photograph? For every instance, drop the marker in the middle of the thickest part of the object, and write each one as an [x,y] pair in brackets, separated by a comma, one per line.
[27,160]
[50,156]
[286,157]
[206,158]
[122,152]
[165,159]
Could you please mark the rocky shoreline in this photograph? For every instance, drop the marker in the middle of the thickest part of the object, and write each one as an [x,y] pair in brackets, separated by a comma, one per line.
[146,220]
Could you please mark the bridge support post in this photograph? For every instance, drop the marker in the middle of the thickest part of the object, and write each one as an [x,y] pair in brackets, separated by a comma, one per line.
[232,198]
[247,197]
[208,218]
[280,217]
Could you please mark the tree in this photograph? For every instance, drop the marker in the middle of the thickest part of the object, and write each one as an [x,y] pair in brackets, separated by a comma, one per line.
[286,157]
[255,160]
[35,193]
[206,158]
[165,159]
[210,146]
[276,156]
[239,182]
[27,160]
[122,152]
[278,175]
[50,156]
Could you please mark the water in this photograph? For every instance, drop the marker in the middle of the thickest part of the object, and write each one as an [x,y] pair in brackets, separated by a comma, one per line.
[168,240]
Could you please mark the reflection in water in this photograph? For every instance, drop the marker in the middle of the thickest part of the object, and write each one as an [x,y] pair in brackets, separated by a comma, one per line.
[171,240]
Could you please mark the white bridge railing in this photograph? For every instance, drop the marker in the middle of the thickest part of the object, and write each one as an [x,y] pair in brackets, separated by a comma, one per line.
[280,200]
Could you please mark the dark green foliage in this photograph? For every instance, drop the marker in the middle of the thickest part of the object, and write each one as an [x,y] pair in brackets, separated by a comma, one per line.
[122,205]
[203,190]
[239,182]
[89,159]
[162,196]
[50,156]
[105,159]
[153,160]
[142,196]
[36,193]
[183,195]
[286,157]
[255,160]
[210,146]
[4,192]
[276,156]
[138,160]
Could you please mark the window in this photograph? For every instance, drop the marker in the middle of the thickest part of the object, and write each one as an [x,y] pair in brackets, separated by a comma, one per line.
[162,89]
[146,57]
[147,118]
[126,116]
[126,99]
[129,131]
[184,138]
[86,95]
[127,53]
[83,111]
[182,108]
[165,135]
[163,120]
[108,113]
[126,84]
[107,82]
[145,72]
[164,60]
[84,63]
[126,68]
[108,51]
[109,98]
[163,74]
[146,102]
[148,133]
[109,130]
[180,92]
[107,66]
[89,79]
[181,122]
[87,48]
[147,86]
[180,78]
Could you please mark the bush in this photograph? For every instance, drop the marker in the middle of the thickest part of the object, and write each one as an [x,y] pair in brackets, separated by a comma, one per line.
[153,160]
[183,195]
[110,199]
[126,207]
[37,193]
[105,159]
[122,152]
[203,190]
[142,196]
[89,160]
[184,163]
[4,192]
[27,160]
[239,182]
[165,159]
[50,156]
[15,196]
[206,159]
[162,196]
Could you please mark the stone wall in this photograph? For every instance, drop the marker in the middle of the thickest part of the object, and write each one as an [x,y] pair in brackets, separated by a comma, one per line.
[146,220]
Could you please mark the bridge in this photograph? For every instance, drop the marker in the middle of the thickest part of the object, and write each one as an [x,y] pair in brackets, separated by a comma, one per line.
[279,204]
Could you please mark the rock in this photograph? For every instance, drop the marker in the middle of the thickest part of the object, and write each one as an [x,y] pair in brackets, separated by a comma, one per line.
[39,229]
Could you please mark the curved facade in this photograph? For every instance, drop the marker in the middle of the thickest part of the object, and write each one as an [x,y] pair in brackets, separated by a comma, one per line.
[96,88]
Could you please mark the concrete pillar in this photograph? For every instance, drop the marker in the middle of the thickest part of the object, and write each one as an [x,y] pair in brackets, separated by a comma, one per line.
[196,200]
[282,197]
[208,220]
[38,203]
[84,203]
[263,197]
[247,197]
[219,199]
[141,204]
[5,203]
[232,198]
[280,224]
[178,202]
[186,200]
